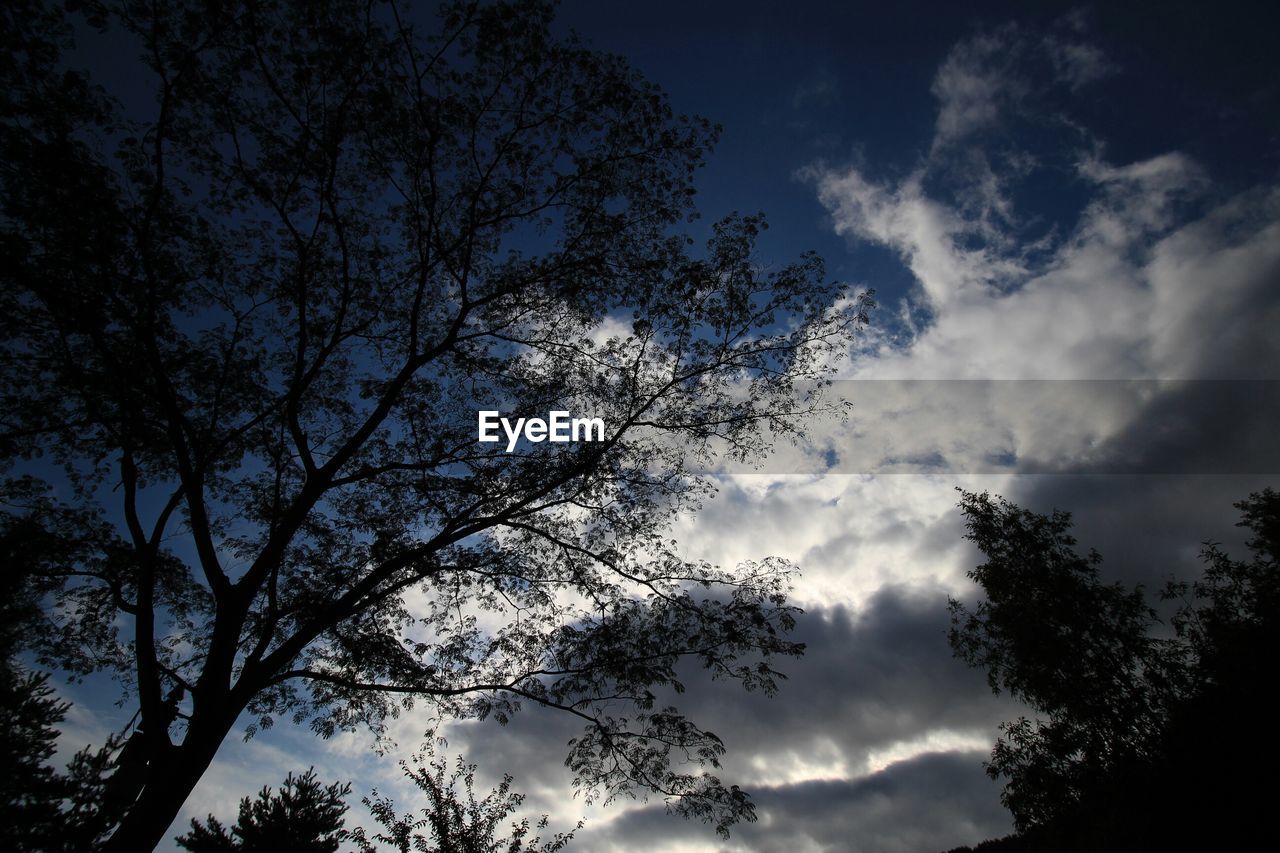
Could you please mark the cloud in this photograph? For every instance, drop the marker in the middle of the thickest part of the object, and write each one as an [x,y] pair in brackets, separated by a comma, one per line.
[1146,278]
[1153,276]
[998,75]
[1077,63]
[930,237]
[851,535]
[880,679]
[974,85]
[1118,291]
[822,89]
[1111,300]
[877,690]
[934,801]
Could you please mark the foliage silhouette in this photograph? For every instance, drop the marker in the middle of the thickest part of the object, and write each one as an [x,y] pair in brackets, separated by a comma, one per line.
[41,808]
[455,820]
[251,306]
[1143,738]
[307,817]
[302,817]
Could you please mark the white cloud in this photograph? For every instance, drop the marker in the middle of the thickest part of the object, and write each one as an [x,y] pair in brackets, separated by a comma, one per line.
[931,742]
[973,85]
[851,535]
[930,236]
[995,75]
[1133,291]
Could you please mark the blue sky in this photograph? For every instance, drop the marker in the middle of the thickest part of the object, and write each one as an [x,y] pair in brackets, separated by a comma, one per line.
[1037,192]
[805,82]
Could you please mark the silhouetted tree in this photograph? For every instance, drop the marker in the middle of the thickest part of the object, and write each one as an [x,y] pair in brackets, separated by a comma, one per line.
[307,817]
[41,808]
[1075,649]
[454,820]
[1141,739]
[302,817]
[249,312]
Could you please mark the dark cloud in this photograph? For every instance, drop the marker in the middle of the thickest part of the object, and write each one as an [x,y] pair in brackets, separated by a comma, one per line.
[929,803]
[1029,426]
[873,686]
[1147,528]
[868,680]
[1209,427]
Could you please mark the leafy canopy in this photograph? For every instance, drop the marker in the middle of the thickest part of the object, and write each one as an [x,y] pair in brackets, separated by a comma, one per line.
[308,817]
[302,817]
[252,304]
[1133,723]
[454,819]
[41,807]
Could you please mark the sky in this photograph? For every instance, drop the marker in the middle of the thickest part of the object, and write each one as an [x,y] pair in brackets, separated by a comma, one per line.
[1071,217]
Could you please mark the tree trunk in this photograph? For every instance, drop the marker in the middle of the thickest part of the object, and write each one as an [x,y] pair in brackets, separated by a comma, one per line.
[169,782]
